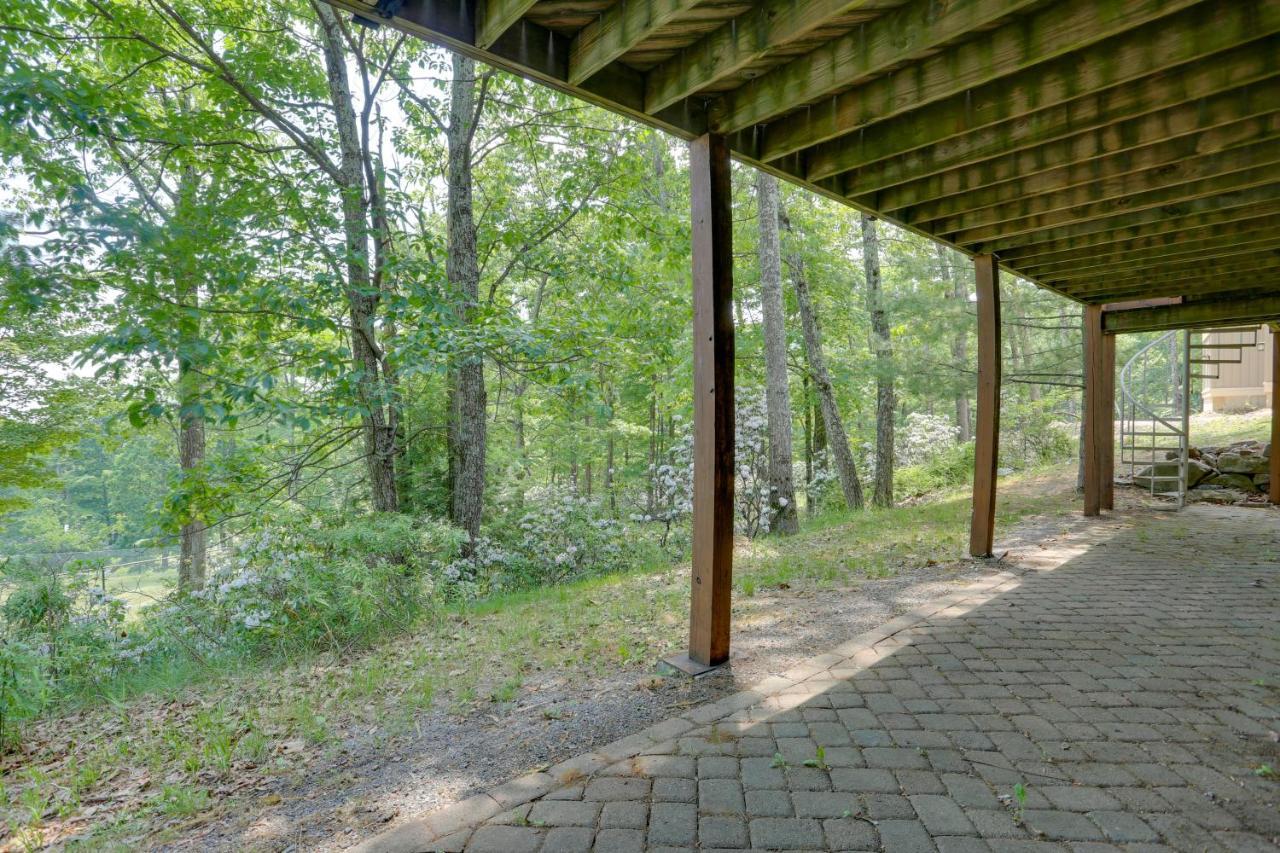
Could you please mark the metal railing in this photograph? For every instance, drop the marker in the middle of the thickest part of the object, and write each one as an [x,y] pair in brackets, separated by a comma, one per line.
[1155,403]
[1155,408]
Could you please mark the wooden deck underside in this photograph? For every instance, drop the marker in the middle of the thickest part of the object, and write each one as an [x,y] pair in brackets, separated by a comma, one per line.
[1107,149]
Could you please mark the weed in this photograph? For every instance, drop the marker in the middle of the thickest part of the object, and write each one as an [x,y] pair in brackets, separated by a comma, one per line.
[778,761]
[253,746]
[1020,802]
[181,801]
[820,761]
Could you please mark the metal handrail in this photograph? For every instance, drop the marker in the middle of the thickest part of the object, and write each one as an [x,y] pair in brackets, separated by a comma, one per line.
[1135,409]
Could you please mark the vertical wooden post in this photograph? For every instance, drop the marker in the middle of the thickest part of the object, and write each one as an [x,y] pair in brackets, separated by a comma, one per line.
[1094,402]
[713,402]
[1107,423]
[1274,492]
[986,452]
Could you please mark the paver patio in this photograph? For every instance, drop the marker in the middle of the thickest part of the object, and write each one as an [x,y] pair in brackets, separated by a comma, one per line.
[1127,684]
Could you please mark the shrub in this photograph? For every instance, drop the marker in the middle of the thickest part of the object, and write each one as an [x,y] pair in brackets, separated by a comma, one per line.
[951,466]
[1032,433]
[60,632]
[556,536]
[306,584]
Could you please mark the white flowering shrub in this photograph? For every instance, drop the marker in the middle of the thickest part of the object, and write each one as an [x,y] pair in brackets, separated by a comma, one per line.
[751,462]
[672,484]
[824,486]
[922,437]
[555,536]
[303,584]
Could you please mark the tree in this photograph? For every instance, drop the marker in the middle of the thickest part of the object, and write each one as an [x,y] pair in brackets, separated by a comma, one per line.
[882,346]
[782,495]
[837,438]
[467,423]
[959,294]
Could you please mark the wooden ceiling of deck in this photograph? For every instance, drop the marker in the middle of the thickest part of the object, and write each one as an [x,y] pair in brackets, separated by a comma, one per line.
[1107,149]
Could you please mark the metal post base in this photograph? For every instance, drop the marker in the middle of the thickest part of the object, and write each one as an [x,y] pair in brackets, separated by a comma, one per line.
[687,665]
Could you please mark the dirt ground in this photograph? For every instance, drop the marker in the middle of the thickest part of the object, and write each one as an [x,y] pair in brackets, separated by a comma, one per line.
[374,779]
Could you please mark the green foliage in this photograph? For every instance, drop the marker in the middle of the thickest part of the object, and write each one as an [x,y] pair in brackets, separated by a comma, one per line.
[952,466]
[301,585]
[554,537]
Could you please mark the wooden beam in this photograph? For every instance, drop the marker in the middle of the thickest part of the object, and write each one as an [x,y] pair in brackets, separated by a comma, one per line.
[1200,128]
[1107,424]
[910,32]
[1214,175]
[1207,284]
[1087,77]
[1262,263]
[1098,413]
[747,39]
[713,453]
[495,17]
[538,54]
[986,452]
[1139,239]
[1199,314]
[1088,267]
[1213,152]
[622,26]
[1273,493]
[1153,302]
[1046,216]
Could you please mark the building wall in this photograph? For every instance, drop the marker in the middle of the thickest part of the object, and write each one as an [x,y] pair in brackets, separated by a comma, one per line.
[1240,387]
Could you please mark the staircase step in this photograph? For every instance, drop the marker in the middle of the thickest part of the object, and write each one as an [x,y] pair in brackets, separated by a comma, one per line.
[1218,360]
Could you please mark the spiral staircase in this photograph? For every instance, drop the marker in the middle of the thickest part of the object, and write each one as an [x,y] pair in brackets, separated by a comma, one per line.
[1155,402]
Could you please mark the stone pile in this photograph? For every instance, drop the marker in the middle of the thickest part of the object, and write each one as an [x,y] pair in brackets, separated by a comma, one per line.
[1241,465]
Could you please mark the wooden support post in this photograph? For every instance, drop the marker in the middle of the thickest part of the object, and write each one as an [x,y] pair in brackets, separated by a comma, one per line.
[1274,491]
[986,452]
[1094,404]
[713,404]
[1107,424]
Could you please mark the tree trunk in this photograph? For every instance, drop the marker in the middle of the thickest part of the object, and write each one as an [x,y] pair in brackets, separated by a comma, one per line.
[467,422]
[193,537]
[836,437]
[959,344]
[882,345]
[362,296]
[782,492]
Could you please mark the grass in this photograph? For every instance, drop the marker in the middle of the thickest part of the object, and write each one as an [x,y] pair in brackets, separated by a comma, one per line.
[1217,429]
[460,659]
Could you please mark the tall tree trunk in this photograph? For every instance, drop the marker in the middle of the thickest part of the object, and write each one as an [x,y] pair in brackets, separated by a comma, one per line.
[837,439]
[782,492]
[523,466]
[586,465]
[882,345]
[467,422]
[193,537]
[959,343]
[651,495]
[362,294]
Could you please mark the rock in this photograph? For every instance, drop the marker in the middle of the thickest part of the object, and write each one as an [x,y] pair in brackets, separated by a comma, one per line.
[1196,472]
[1242,461]
[1231,480]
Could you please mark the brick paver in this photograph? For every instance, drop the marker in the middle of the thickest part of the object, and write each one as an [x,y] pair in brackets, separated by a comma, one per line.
[1122,695]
